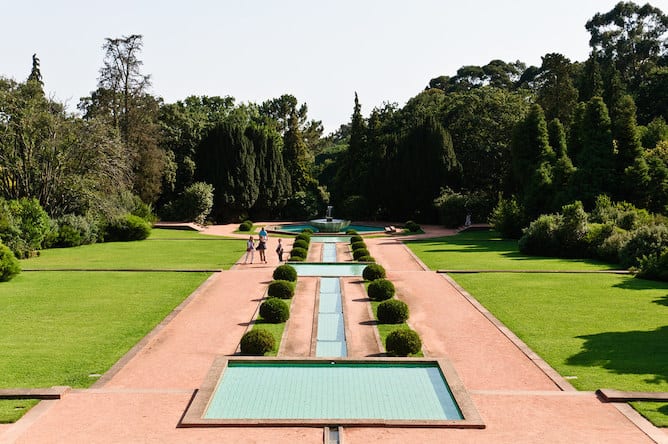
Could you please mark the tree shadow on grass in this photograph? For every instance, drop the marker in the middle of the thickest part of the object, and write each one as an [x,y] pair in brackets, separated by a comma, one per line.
[631,352]
[634,283]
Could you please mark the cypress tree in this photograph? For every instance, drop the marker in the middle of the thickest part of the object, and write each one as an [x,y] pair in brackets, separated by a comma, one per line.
[591,80]
[532,159]
[295,155]
[274,179]
[629,161]
[563,169]
[226,160]
[596,162]
[426,162]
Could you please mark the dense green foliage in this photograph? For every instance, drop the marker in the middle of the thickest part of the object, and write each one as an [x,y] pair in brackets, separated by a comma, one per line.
[126,228]
[298,252]
[360,252]
[257,342]
[285,272]
[403,342]
[281,289]
[392,311]
[9,266]
[380,289]
[373,271]
[274,310]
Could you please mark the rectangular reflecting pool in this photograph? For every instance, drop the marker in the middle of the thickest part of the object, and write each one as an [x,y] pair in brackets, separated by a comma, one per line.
[369,392]
[334,269]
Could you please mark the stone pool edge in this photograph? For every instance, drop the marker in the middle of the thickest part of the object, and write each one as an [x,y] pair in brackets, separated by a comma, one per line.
[194,414]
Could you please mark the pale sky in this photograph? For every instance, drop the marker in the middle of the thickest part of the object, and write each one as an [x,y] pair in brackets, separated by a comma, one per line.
[319,51]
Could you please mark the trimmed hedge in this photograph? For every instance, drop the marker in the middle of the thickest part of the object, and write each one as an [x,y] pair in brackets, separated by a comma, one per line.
[285,272]
[126,228]
[257,342]
[299,252]
[281,289]
[246,225]
[296,259]
[380,290]
[412,226]
[303,236]
[357,254]
[358,245]
[403,342]
[274,310]
[354,239]
[392,311]
[372,272]
[300,243]
[366,259]
[351,231]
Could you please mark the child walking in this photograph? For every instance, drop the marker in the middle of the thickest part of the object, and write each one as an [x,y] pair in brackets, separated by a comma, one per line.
[250,249]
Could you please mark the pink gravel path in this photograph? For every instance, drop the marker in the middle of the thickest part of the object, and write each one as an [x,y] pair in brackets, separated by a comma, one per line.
[144,400]
[299,328]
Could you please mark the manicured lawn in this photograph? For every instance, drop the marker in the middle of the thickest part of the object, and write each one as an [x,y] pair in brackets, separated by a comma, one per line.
[608,331]
[60,327]
[191,253]
[11,410]
[657,412]
[600,330]
[484,250]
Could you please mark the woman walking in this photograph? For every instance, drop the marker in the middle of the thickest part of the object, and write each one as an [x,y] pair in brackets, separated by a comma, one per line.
[261,246]
[250,249]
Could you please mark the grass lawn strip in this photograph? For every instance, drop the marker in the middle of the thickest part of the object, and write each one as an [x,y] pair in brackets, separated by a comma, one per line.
[275,329]
[600,331]
[183,254]
[656,412]
[11,410]
[484,250]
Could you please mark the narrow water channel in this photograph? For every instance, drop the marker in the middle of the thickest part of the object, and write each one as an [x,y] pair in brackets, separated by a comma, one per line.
[331,340]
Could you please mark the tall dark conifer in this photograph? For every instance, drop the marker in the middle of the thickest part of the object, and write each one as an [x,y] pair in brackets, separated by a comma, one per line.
[563,169]
[596,161]
[629,161]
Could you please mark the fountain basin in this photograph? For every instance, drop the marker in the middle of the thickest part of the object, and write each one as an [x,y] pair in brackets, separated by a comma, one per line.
[329,225]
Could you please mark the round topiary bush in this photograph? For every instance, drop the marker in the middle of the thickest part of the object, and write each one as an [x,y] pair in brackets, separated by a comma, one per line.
[380,290]
[281,289]
[274,310]
[412,226]
[246,225]
[300,243]
[403,342]
[9,265]
[257,342]
[303,236]
[126,228]
[392,311]
[299,252]
[371,272]
[354,239]
[308,231]
[351,231]
[285,272]
[297,259]
[361,252]
[358,245]
[366,259]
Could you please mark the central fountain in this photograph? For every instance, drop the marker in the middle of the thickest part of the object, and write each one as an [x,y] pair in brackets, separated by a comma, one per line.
[329,224]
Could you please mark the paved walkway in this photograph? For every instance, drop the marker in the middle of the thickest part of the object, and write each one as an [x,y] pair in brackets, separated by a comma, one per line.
[142,399]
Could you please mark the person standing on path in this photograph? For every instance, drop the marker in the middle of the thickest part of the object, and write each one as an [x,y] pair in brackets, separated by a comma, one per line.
[261,246]
[263,234]
[250,249]
[279,251]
